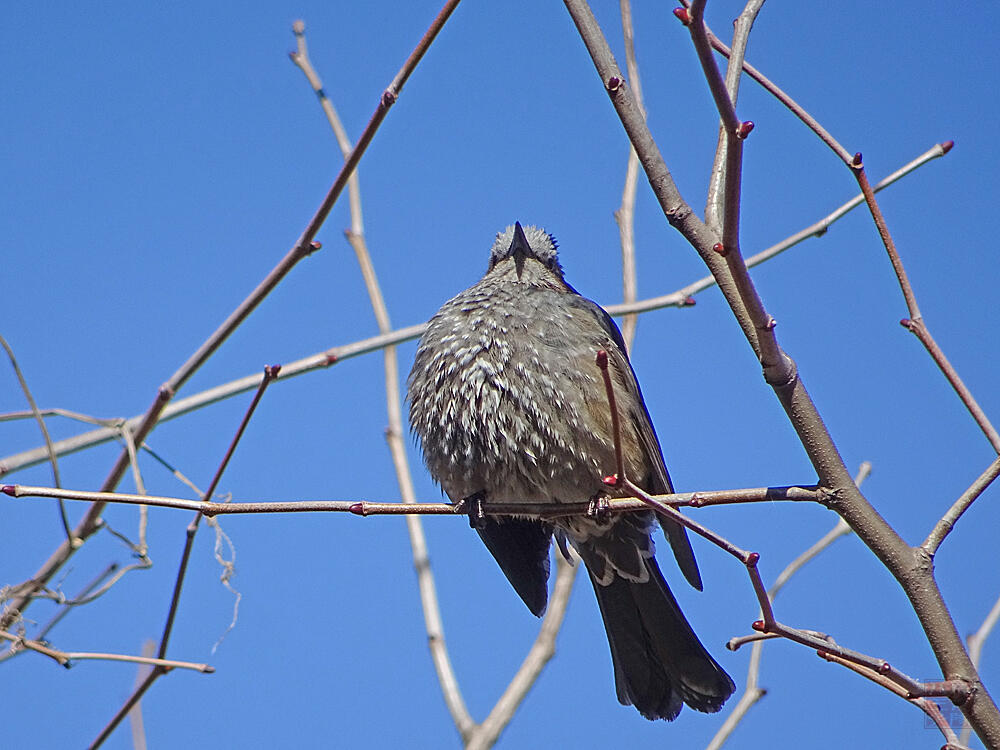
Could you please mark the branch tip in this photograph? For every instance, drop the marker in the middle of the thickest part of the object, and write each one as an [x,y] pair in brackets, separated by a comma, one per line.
[602,359]
[753,558]
[682,15]
[299,27]
[857,162]
[947,146]
[9,489]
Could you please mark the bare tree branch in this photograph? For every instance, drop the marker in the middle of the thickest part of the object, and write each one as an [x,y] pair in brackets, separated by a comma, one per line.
[949,519]
[433,621]
[625,215]
[64,658]
[45,434]
[303,247]
[683,297]
[910,567]
[541,651]
[698,499]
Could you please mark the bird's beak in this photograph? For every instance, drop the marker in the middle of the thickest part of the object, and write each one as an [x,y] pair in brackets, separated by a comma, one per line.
[519,248]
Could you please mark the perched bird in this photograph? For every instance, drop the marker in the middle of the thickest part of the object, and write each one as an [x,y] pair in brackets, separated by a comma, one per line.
[509,407]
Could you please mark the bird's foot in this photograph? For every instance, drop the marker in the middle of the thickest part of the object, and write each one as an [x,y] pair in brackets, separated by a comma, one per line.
[473,507]
[599,508]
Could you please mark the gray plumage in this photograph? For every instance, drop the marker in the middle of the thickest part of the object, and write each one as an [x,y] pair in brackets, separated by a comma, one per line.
[509,406]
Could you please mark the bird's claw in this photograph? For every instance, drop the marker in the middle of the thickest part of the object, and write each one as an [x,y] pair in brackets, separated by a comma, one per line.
[472,506]
[599,508]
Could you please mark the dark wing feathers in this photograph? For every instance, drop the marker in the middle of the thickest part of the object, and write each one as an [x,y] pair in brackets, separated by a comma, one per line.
[521,548]
[660,480]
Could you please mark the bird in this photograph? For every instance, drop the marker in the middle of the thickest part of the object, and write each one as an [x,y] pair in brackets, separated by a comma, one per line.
[508,406]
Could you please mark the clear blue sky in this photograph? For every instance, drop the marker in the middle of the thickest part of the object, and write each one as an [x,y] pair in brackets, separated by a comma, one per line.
[158,161]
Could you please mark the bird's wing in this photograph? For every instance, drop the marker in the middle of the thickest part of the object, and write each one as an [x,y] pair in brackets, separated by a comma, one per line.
[521,548]
[659,481]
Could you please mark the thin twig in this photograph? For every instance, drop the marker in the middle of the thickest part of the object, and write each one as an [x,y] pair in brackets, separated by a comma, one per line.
[135,721]
[270,373]
[752,692]
[778,94]
[683,297]
[943,527]
[542,650]
[920,330]
[65,609]
[976,642]
[625,215]
[898,557]
[714,201]
[698,499]
[433,621]
[45,436]
[915,322]
[303,247]
[777,367]
[65,658]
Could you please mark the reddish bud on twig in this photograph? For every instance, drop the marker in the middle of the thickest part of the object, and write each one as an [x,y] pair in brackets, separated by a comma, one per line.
[611,480]
[720,249]
[947,146]
[856,162]
[271,371]
[614,83]
[744,129]
[752,558]
[389,98]
[293,55]
[9,489]
[683,16]
[771,323]
[330,359]
[357,509]
[758,625]
[315,245]
[602,359]
[689,301]
[907,324]
[885,668]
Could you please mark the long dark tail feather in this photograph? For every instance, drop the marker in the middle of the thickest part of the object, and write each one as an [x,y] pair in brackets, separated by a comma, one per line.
[658,660]
[521,548]
[681,546]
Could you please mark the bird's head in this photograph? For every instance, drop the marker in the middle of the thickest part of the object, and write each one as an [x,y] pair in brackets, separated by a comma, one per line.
[522,244]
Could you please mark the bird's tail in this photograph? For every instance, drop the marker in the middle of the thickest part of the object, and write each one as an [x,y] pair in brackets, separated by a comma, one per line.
[659,661]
